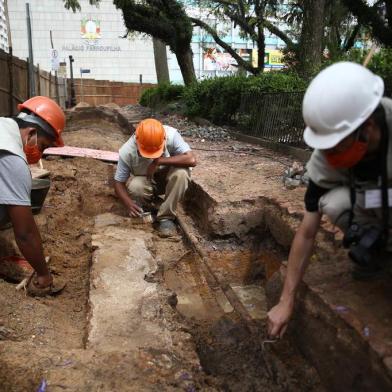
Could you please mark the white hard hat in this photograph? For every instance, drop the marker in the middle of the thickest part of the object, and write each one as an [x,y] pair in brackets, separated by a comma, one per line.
[338,100]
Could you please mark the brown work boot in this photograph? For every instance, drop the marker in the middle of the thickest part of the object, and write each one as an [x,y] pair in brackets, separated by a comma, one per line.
[167,228]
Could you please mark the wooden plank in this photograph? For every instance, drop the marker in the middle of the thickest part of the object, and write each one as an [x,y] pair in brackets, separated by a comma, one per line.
[69,151]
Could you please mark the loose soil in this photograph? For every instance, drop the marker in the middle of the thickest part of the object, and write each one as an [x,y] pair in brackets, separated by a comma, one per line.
[79,190]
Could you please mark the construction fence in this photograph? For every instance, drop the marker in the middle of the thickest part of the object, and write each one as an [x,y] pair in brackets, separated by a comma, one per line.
[99,92]
[15,82]
[275,117]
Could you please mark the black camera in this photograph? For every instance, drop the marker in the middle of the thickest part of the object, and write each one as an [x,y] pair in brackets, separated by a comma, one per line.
[363,243]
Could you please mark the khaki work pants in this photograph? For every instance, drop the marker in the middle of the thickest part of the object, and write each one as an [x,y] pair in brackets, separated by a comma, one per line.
[172,182]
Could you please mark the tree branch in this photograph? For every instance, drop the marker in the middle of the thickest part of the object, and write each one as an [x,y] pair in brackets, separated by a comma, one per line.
[238,16]
[241,62]
[369,16]
[350,40]
[280,34]
[243,23]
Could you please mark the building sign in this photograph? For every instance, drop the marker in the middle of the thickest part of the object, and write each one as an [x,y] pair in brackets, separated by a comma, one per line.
[90,29]
[215,59]
[62,72]
[273,58]
[54,59]
[90,47]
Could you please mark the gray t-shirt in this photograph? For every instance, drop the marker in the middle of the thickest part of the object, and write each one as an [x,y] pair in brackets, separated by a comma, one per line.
[178,147]
[15,182]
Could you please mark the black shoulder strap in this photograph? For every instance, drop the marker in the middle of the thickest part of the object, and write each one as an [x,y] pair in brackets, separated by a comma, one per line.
[384,180]
[384,177]
[352,197]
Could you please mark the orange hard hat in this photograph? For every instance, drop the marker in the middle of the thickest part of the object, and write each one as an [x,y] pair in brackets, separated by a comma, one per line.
[43,108]
[150,138]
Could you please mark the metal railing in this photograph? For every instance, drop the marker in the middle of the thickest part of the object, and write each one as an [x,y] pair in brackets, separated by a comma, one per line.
[276,117]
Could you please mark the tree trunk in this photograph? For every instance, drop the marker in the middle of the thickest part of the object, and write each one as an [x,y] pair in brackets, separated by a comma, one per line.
[260,49]
[260,13]
[311,43]
[160,56]
[185,61]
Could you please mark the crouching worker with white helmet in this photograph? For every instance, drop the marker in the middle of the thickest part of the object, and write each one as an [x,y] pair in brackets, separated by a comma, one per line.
[22,140]
[158,160]
[349,124]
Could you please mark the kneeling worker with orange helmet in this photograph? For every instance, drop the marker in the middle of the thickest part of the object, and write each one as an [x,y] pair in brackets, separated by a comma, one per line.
[158,159]
[349,124]
[22,141]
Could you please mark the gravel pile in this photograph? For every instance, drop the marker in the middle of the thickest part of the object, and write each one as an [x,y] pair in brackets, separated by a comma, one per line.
[180,123]
[201,132]
[139,108]
[207,133]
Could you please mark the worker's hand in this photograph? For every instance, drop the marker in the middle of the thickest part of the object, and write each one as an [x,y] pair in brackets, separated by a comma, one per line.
[134,210]
[278,318]
[152,168]
[44,281]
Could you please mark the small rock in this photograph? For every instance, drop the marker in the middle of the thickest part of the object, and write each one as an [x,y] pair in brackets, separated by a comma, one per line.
[154,276]
[5,333]
[172,299]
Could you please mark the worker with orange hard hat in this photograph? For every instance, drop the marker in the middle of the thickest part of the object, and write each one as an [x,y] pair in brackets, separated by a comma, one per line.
[22,141]
[154,161]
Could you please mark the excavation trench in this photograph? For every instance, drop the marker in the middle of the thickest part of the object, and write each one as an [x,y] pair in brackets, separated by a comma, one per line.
[230,327]
[140,312]
[191,293]
[144,313]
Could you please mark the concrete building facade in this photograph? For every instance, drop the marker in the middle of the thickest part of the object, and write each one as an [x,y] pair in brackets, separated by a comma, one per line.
[92,36]
[3,26]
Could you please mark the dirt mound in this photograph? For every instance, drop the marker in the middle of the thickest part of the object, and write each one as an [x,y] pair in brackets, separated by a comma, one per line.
[79,106]
[101,117]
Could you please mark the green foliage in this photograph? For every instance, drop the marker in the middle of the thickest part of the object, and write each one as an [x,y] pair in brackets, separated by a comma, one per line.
[163,93]
[380,64]
[214,98]
[218,99]
[74,5]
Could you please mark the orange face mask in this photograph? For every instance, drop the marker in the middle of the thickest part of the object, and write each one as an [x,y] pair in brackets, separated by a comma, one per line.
[33,153]
[349,157]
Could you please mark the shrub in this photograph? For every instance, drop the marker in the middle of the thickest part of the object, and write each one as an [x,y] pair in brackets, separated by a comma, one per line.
[219,98]
[163,93]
